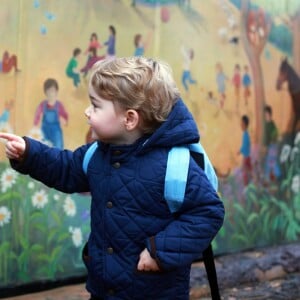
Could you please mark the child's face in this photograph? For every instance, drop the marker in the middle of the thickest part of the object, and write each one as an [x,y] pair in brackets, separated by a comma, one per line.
[140,42]
[51,93]
[243,125]
[267,116]
[107,123]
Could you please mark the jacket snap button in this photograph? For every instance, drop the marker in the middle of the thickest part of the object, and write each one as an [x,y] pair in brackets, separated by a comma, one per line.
[109,204]
[116,165]
[111,292]
[110,250]
[117,152]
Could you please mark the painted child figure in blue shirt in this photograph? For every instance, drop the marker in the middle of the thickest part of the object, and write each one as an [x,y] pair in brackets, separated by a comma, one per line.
[246,82]
[245,150]
[111,43]
[50,113]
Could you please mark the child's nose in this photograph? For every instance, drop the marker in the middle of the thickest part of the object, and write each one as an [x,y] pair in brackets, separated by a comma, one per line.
[87,111]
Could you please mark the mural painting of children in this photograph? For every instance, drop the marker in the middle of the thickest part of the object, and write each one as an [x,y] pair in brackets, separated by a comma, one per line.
[94,43]
[211,98]
[221,79]
[236,81]
[4,117]
[272,169]
[246,82]
[245,150]
[51,112]
[9,62]
[93,58]
[188,56]
[111,43]
[140,45]
[71,70]
[92,48]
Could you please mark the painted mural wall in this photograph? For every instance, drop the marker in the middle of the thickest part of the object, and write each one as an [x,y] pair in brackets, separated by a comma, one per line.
[237,64]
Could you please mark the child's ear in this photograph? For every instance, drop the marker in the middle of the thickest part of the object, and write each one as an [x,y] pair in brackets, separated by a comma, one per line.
[132,119]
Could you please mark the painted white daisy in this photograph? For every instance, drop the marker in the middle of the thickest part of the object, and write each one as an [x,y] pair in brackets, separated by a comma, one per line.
[36,133]
[69,207]
[56,197]
[296,184]
[297,139]
[76,236]
[39,199]
[285,152]
[30,185]
[8,179]
[294,153]
[47,142]
[5,215]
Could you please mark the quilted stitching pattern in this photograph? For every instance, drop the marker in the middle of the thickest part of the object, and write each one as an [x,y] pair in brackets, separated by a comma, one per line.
[128,208]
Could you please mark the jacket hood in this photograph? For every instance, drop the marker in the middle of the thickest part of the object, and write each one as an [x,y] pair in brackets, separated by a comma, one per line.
[180,128]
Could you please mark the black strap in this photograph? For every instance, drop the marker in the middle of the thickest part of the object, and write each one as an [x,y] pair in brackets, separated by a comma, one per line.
[209,263]
[208,255]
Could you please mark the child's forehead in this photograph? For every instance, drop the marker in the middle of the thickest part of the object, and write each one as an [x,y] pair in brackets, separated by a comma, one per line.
[94,98]
[51,87]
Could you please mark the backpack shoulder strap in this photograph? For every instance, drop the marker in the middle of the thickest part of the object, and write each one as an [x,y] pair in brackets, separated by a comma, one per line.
[175,185]
[88,155]
[175,178]
[177,172]
[208,167]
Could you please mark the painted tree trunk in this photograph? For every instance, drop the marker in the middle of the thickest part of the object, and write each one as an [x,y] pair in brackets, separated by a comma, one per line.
[296,41]
[253,52]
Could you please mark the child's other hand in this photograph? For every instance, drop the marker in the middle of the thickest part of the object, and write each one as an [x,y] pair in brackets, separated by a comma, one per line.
[14,146]
[146,262]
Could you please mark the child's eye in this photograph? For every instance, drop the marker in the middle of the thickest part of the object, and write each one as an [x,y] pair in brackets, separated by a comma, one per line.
[95,106]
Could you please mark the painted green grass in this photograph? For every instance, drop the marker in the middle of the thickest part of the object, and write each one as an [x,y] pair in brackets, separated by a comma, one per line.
[42,231]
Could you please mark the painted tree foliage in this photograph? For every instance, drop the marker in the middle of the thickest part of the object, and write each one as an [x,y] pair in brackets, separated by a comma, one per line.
[286,12]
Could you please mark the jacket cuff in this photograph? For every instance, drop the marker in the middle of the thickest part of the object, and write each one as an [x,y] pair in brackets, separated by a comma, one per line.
[152,250]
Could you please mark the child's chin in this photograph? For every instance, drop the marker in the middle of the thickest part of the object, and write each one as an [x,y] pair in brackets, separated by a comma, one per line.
[94,135]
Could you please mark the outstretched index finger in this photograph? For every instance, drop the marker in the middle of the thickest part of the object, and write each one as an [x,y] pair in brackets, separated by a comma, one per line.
[9,136]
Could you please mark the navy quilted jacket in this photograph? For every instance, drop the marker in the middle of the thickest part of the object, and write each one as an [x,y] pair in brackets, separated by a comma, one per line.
[129,213]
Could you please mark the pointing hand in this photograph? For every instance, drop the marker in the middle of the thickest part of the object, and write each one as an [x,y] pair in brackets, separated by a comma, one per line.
[14,145]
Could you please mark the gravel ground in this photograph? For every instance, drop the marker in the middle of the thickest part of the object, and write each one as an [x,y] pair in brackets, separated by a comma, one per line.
[287,288]
[271,273]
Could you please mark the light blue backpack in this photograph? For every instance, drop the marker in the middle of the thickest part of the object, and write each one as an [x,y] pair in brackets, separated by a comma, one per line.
[177,171]
[174,191]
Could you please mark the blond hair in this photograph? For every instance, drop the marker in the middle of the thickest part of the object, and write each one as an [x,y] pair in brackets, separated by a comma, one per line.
[138,83]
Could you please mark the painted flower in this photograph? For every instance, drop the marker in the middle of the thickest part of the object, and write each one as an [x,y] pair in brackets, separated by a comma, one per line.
[8,179]
[5,215]
[69,207]
[285,152]
[76,236]
[294,152]
[297,139]
[56,197]
[36,133]
[30,185]
[39,199]
[296,184]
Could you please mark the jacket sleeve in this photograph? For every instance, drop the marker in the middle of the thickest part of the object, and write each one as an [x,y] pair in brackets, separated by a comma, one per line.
[194,226]
[60,169]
